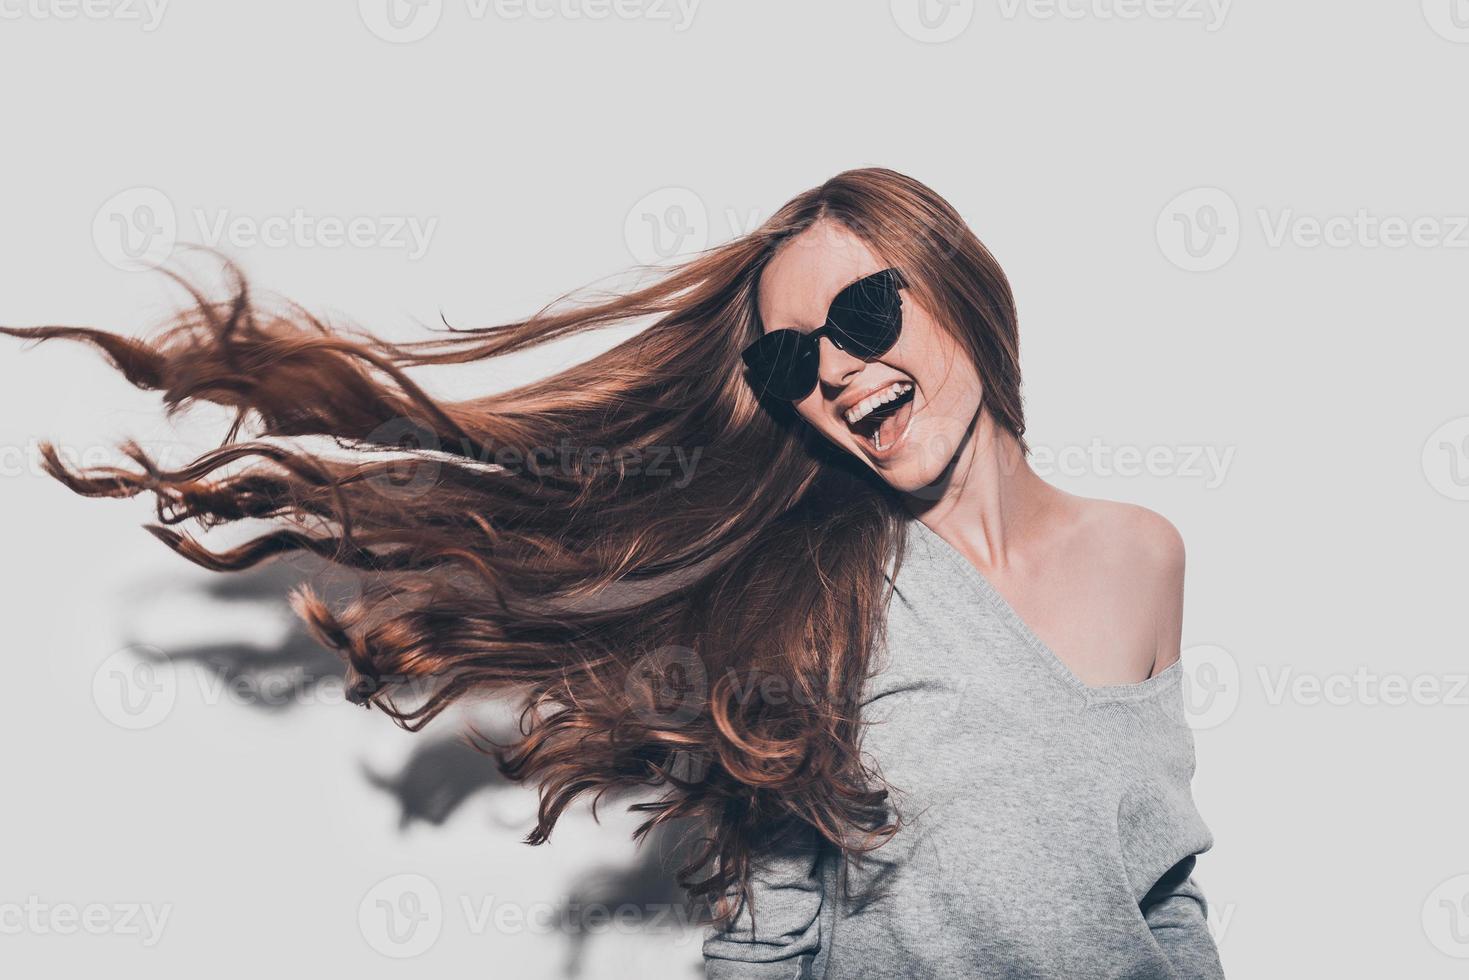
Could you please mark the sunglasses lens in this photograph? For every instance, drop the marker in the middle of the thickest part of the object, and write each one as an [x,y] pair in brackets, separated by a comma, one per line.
[783,364]
[868,314]
[864,320]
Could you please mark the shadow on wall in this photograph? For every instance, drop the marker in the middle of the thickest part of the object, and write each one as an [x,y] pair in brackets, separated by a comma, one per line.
[648,891]
[443,773]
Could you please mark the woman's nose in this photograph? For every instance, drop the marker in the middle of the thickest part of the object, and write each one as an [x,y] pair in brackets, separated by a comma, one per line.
[838,367]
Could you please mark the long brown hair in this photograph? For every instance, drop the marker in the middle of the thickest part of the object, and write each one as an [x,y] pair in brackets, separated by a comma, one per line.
[703,630]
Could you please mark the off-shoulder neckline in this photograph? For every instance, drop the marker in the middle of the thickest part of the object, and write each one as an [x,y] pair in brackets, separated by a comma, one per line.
[940,549]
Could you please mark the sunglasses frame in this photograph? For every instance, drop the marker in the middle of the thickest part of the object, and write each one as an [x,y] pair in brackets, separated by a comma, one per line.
[808,343]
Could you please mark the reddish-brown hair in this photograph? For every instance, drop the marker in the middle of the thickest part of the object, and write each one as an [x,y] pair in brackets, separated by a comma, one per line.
[706,637]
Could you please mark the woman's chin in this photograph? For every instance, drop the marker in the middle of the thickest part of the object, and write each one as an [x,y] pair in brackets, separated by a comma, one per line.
[908,473]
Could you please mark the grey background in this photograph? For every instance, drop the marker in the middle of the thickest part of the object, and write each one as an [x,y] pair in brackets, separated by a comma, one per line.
[1133,174]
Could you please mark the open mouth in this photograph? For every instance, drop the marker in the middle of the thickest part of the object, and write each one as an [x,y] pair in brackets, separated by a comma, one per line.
[880,420]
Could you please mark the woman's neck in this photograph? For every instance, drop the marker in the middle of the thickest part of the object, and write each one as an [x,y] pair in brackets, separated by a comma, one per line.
[989,500]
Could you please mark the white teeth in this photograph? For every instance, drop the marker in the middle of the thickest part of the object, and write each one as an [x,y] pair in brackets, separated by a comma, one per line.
[864,408]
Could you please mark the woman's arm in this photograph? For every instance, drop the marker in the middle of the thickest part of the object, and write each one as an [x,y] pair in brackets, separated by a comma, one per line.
[1175,908]
[783,935]
[1178,916]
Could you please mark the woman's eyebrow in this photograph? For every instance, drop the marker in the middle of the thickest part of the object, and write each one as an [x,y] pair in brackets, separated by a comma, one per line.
[844,287]
[849,284]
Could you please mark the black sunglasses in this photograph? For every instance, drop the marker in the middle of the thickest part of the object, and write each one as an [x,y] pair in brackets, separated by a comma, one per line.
[864,320]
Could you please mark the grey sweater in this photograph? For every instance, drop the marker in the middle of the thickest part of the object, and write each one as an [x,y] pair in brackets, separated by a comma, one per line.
[1050,831]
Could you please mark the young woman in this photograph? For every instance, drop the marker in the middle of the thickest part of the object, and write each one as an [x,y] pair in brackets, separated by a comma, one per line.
[921,708]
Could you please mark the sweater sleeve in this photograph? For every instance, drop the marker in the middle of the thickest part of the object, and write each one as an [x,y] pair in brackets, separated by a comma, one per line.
[1177,914]
[783,935]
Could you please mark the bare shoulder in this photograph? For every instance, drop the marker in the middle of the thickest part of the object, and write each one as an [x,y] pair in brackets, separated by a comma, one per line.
[1141,555]
[1137,535]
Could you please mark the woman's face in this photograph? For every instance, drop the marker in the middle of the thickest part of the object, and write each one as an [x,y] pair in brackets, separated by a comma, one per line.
[911,440]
